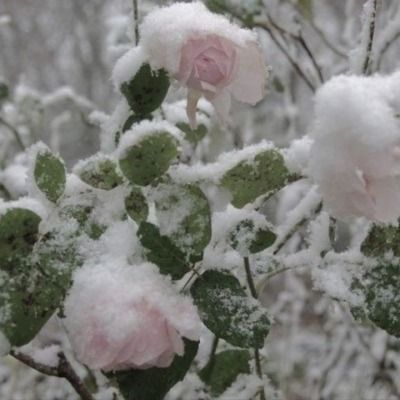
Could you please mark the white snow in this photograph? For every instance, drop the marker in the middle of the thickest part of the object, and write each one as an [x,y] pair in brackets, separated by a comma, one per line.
[128,65]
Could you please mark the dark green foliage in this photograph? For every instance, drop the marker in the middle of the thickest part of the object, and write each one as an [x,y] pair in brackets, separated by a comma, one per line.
[18,234]
[256,240]
[162,252]
[146,90]
[149,159]
[101,173]
[265,175]
[136,205]
[50,175]
[223,369]
[155,383]
[381,239]
[228,311]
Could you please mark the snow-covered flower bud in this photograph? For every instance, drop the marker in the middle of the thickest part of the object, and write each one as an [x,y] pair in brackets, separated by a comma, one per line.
[120,317]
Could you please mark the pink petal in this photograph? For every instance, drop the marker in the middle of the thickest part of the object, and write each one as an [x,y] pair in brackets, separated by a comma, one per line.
[250,78]
[222,105]
[193,98]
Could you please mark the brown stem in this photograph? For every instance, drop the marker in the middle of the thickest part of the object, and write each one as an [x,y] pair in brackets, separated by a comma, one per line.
[136,19]
[62,370]
[367,61]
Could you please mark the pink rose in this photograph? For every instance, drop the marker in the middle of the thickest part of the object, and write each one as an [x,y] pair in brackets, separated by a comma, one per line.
[216,68]
[355,157]
[127,317]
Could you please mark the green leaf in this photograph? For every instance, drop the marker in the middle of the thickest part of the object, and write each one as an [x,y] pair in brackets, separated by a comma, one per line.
[101,173]
[50,176]
[162,252]
[381,239]
[228,312]
[247,239]
[265,175]
[132,119]
[18,234]
[381,286]
[306,8]
[155,383]
[136,205]
[147,90]
[192,135]
[223,369]
[29,300]
[4,91]
[184,212]
[149,159]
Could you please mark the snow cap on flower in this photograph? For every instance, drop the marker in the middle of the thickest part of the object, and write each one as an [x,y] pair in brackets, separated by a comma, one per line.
[207,54]
[127,316]
[355,157]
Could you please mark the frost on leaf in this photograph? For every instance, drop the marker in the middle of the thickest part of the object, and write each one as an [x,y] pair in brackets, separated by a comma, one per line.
[147,160]
[136,205]
[264,175]
[228,311]
[18,234]
[184,216]
[381,288]
[100,173]
[50,176]
[161,251]
[381,239]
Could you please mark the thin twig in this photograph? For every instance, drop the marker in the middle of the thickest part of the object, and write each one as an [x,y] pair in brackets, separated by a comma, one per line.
[253,291]
[136,19]
[372,23]
[62,370]
[14,132]
[294,229]
[385,48]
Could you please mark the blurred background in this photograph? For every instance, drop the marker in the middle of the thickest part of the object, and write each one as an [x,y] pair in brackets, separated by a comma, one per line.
[56,58]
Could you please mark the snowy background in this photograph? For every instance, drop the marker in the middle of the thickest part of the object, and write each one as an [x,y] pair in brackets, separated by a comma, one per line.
[57,58]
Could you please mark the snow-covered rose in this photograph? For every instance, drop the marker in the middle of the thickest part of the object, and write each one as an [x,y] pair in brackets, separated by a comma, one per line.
[355,158]
[128,316]
[207,54]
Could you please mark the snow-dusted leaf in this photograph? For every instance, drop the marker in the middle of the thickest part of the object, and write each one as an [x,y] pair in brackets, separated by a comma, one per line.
[265,175]
[18,234]
[29,299]
[228,311]
[381,239]
[155,383]
[147,160]
[146,90]
[381,287]
[246,238]
[162,252]
[184,216]
[101,173]
[222,370]
[192,135]
[50,176]
[136,205]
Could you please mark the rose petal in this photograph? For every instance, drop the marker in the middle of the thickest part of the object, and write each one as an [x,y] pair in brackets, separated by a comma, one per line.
[250,78]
